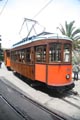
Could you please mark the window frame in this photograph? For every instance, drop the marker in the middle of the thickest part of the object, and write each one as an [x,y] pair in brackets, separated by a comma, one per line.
[40,55]
[61,61]
[67,54]
[56,54]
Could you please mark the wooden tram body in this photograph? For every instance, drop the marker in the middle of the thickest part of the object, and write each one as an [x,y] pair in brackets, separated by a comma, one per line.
[45,58]
[7,58]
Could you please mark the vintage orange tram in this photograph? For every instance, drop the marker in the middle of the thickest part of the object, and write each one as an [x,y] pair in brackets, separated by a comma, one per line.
[7,58]
[45,57]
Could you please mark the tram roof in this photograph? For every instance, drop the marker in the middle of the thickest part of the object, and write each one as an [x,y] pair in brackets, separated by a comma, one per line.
[40,36]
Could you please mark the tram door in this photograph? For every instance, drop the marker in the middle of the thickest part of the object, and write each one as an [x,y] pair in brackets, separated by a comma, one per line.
[40,63]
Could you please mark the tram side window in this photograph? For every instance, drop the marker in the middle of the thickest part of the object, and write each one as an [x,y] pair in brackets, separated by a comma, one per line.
[23,56]
[55,52]
[67,52]
[28,55]
[8,54]
[41,54]
[14,55]
[19,56]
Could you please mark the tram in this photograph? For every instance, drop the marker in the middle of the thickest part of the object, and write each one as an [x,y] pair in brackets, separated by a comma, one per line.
[47,58]
[7,59]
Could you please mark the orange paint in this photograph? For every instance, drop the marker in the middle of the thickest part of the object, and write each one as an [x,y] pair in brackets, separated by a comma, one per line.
[8,62]
[40,72]
[54,75]
[57,74]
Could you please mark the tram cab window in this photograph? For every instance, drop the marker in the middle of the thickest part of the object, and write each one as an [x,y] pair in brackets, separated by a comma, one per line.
[66,52]
[55,52]
[41,54]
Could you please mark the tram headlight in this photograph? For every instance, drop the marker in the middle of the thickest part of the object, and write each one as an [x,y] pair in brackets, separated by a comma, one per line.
[67,76]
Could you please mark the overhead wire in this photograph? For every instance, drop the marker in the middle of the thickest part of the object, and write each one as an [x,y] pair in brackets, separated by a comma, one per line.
[36,14]
[3,7]
[42,9]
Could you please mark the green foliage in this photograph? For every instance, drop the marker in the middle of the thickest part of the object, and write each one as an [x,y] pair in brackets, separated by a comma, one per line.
[1,55]
[1,58]
[72,32]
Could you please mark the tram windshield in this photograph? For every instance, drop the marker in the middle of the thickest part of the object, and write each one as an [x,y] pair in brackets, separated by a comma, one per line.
[59,52]
[41,54]
[55,52]
[66,56]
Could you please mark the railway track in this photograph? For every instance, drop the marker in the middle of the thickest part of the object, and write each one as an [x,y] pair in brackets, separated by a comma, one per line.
[56,106]
[7,111]
[25,107]
[72,99]
[68,103]
[54,116]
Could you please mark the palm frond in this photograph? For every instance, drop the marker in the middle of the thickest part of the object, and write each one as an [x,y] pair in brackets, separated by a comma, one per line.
[66,27]
[76,32]
[71,32]
[70,28]
[77,37]
[62,30]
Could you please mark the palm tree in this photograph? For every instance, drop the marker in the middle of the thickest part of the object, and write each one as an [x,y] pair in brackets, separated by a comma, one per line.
[71,32]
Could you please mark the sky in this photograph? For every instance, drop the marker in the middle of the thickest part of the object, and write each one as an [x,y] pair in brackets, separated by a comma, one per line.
[49,13]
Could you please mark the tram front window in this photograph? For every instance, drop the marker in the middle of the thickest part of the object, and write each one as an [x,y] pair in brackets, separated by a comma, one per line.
[55,52]
[41,54]
[66,53]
